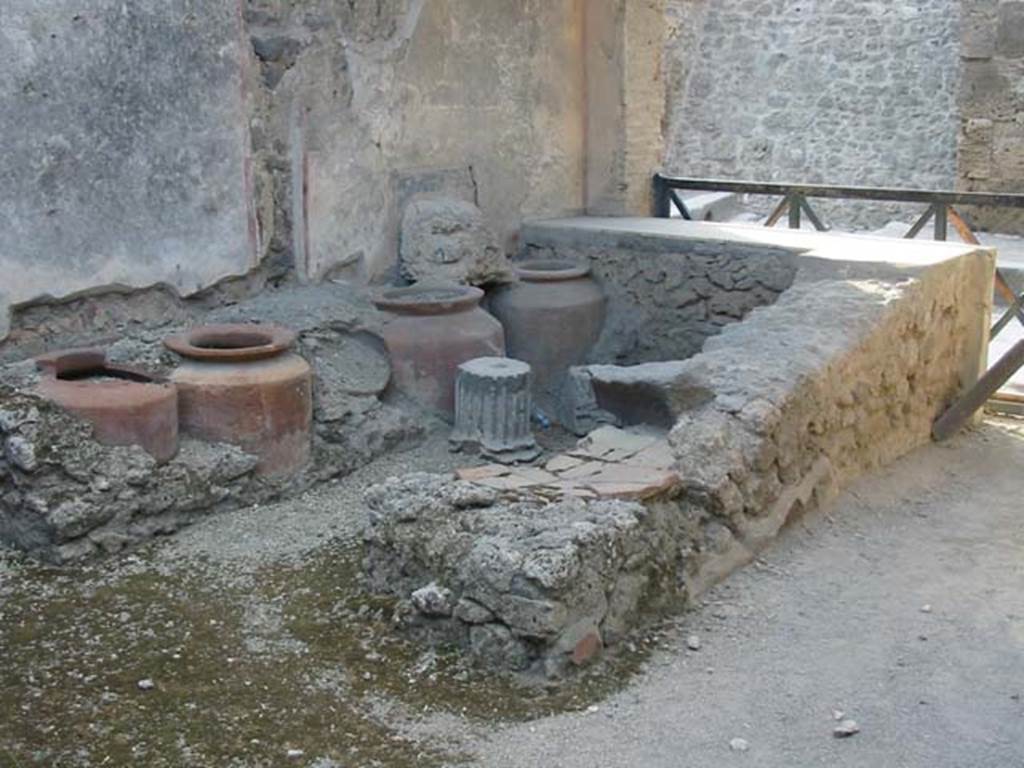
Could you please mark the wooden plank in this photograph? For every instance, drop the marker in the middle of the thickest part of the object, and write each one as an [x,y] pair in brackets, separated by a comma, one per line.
[962,227]
[795,207]
[778,213]
[941,221]
[1005,407]
[1010,397]
[968,236]
[953,420]
[1004,288]
[948,197]
[818,224]
[919,224]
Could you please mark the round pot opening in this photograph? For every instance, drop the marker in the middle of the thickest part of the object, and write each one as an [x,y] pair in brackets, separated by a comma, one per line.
[232,342]
[103,373]
[235,340]
[429,299]
[551,270]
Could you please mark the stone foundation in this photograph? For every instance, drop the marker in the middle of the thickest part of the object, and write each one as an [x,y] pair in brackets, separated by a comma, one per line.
[63,496]
[845,372]
[527,586]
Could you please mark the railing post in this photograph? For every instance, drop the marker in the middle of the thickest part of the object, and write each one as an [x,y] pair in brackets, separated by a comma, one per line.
[941,221]
[795,206]
[662,202]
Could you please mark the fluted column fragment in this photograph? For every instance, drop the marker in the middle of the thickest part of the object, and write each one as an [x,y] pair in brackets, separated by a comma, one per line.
[492,409]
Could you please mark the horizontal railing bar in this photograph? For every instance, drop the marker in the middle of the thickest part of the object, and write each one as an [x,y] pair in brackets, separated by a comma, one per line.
[891,194]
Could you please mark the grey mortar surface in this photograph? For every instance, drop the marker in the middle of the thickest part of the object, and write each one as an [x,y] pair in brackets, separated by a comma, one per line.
[826,91]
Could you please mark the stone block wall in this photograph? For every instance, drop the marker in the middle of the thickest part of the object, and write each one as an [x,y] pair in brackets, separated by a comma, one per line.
[525,586]
[991,138]
[825,91]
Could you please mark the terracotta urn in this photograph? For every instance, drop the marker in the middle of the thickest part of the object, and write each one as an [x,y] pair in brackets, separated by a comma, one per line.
[429,332]
[552,317]
[240,384]
[124,405]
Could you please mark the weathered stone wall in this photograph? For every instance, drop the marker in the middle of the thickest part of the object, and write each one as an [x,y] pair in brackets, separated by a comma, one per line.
[837,378]
[824,91]
[178,142]
[125,147]
[524,586]
[844,373]
[64,496]
[361,106]
[625,129]
[991,150]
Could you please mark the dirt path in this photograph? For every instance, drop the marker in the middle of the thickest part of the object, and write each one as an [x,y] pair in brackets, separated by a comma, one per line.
[834,618]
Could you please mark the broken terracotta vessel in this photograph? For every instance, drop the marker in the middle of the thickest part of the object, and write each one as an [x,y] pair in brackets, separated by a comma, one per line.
[124,405]
[430,332]
[240,384]
[552,318]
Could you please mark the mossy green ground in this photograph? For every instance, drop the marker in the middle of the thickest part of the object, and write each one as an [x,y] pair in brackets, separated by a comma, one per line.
[246,666]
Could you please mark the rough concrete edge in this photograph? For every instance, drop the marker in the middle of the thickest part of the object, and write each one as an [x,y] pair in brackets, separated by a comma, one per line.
[555,232]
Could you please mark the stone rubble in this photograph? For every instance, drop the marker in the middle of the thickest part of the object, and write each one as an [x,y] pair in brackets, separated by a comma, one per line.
[446,239]
[537,586]
[845,729]
[64,497]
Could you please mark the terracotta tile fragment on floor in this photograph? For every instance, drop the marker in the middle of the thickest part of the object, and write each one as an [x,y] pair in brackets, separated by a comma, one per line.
[623,491]
[586,469]
[657,456]
[509,483]
[562,462]
[533,475]
[472,474]
[610,463]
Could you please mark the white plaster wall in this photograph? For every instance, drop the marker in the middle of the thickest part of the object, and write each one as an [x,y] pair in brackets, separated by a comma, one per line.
[178,142]
[123,146]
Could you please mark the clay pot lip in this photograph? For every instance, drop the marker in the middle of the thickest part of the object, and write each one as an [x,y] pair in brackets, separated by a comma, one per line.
[232,342]
[550,270]
[75,369]
[437,299]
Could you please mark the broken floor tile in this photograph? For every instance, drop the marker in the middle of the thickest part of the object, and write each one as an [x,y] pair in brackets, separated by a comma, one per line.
[562,462]
[586,469]
[533,475]
[606,439]
[472,474]
[657,456]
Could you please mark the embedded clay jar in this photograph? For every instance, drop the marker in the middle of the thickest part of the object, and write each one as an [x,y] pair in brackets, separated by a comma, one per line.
[240,384]
[552,318]
[430,332]
[124,405]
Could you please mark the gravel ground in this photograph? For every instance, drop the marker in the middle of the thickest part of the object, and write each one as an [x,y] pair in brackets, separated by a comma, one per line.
[900,607]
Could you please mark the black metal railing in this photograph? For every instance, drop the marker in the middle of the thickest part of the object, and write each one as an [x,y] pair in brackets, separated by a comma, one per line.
[941,211]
